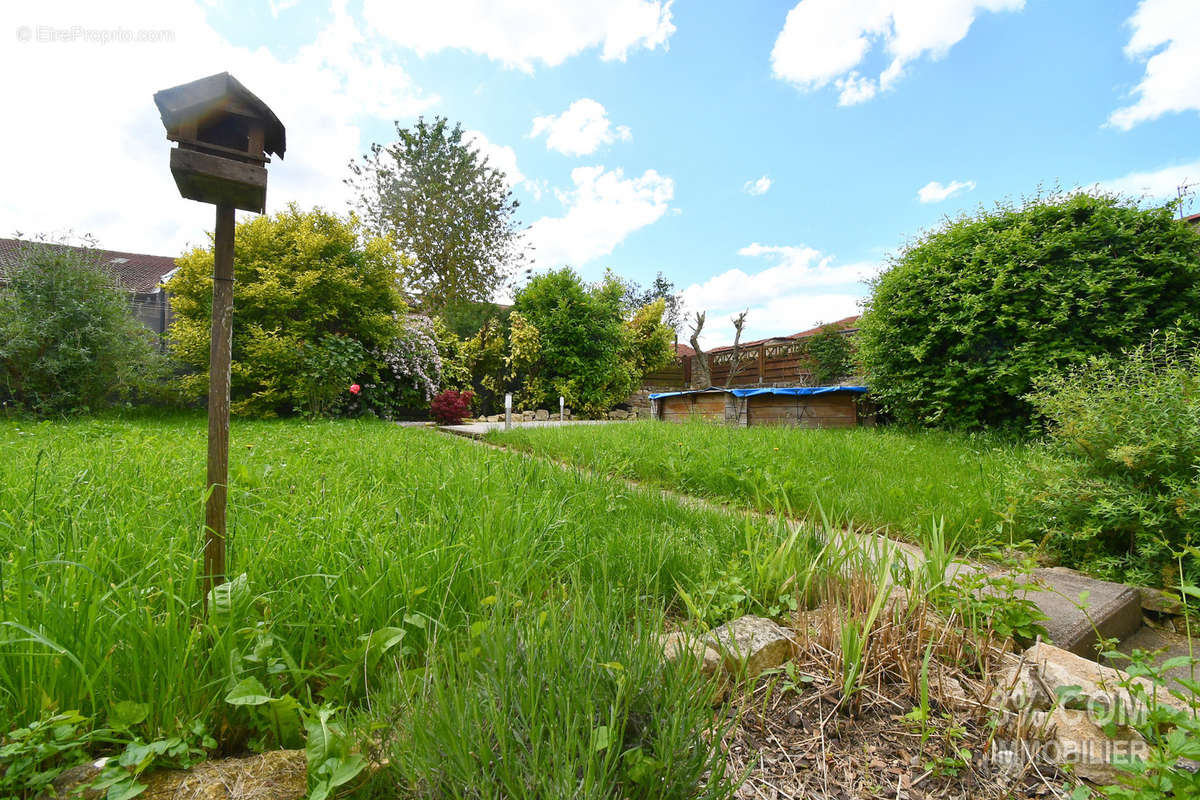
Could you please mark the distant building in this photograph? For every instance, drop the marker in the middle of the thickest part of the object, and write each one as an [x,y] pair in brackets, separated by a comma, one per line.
[137,273]
[1194,220]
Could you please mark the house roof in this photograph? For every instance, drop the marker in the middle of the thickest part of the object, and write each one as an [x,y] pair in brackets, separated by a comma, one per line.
[848,323]
[136,272]
[1192,218]
[683,351]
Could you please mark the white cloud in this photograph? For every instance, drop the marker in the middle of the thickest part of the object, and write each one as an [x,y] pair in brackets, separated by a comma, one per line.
[802,288]
[519,33]
[580,130]
[825,42]
[1166,35]
[100,151]
[499,156]
[279,6]
[504,158]
[1159,184]
[936,192]
[758,187]
[602,210]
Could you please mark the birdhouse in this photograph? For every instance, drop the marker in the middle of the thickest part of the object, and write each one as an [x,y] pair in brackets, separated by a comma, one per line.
[225,136]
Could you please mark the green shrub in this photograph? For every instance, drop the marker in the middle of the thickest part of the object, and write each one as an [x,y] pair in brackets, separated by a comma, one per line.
[965,319]
[1117,488]
[68,339]
[830,355]
[587,351]
[313,309]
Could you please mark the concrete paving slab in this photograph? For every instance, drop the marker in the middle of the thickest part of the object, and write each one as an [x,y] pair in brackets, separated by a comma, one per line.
[1171,645]
[1110,610]
[478,429]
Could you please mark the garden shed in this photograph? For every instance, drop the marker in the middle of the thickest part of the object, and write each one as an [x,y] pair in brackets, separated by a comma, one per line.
[802,406]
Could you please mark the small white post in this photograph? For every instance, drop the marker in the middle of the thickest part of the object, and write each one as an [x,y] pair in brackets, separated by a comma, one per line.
[507,411]
[561,409]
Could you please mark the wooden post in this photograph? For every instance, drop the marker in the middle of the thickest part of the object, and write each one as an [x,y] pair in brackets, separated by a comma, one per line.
[762,362]
[220,355]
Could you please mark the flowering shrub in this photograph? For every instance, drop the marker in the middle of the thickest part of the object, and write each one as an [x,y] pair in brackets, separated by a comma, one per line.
[451,407]
[413,357]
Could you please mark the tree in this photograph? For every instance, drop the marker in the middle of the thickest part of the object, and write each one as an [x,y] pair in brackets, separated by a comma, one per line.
[965,319]
[588,352]
[635,297]
[703,376]
[446,209]
[68,339]
[314,311]
[650,340]
[735,365]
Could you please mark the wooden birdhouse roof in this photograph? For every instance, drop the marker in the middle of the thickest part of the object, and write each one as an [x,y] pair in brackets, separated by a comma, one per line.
[222,92]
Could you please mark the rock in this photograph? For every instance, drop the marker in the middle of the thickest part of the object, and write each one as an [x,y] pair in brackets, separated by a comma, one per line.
[679,643]
[617,413]
[1076,740]
[495,418]
[541,415]
[527,416]
[749,645]
[1039,679]
[274,775]
[69,781]
[950,692]
[1160,602]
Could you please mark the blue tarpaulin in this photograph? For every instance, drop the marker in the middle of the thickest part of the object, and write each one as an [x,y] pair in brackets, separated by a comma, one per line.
[785,390]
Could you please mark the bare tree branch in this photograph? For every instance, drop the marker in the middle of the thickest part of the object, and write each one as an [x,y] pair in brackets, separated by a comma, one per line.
[739,322]
[701,356]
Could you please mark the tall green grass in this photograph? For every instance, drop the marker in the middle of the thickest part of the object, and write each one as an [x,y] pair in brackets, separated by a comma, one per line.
[375,558]
[875,477]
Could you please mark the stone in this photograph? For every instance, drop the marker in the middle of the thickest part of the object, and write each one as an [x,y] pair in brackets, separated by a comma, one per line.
[1113,610]
[618,413]
[274,775]
[1076,740]
[1037,680]
[950,692]
[679,643]
[541,415]
[527,416]
[1160,602]
[495,418]
[750,645]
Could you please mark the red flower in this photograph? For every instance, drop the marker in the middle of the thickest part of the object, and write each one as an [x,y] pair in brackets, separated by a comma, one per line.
[355,388]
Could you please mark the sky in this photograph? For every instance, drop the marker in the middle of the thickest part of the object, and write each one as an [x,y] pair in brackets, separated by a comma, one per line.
[768,156]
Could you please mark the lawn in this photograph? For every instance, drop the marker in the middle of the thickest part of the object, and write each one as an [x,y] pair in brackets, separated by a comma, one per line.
[497,600]
[879,478]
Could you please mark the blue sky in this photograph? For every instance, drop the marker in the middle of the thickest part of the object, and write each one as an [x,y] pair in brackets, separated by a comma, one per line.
[763,155]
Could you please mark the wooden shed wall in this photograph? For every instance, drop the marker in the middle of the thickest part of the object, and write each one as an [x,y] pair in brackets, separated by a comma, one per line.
[706,407]
[837,410]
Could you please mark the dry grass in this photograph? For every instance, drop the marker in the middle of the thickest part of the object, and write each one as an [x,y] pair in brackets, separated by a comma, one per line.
[796,733]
